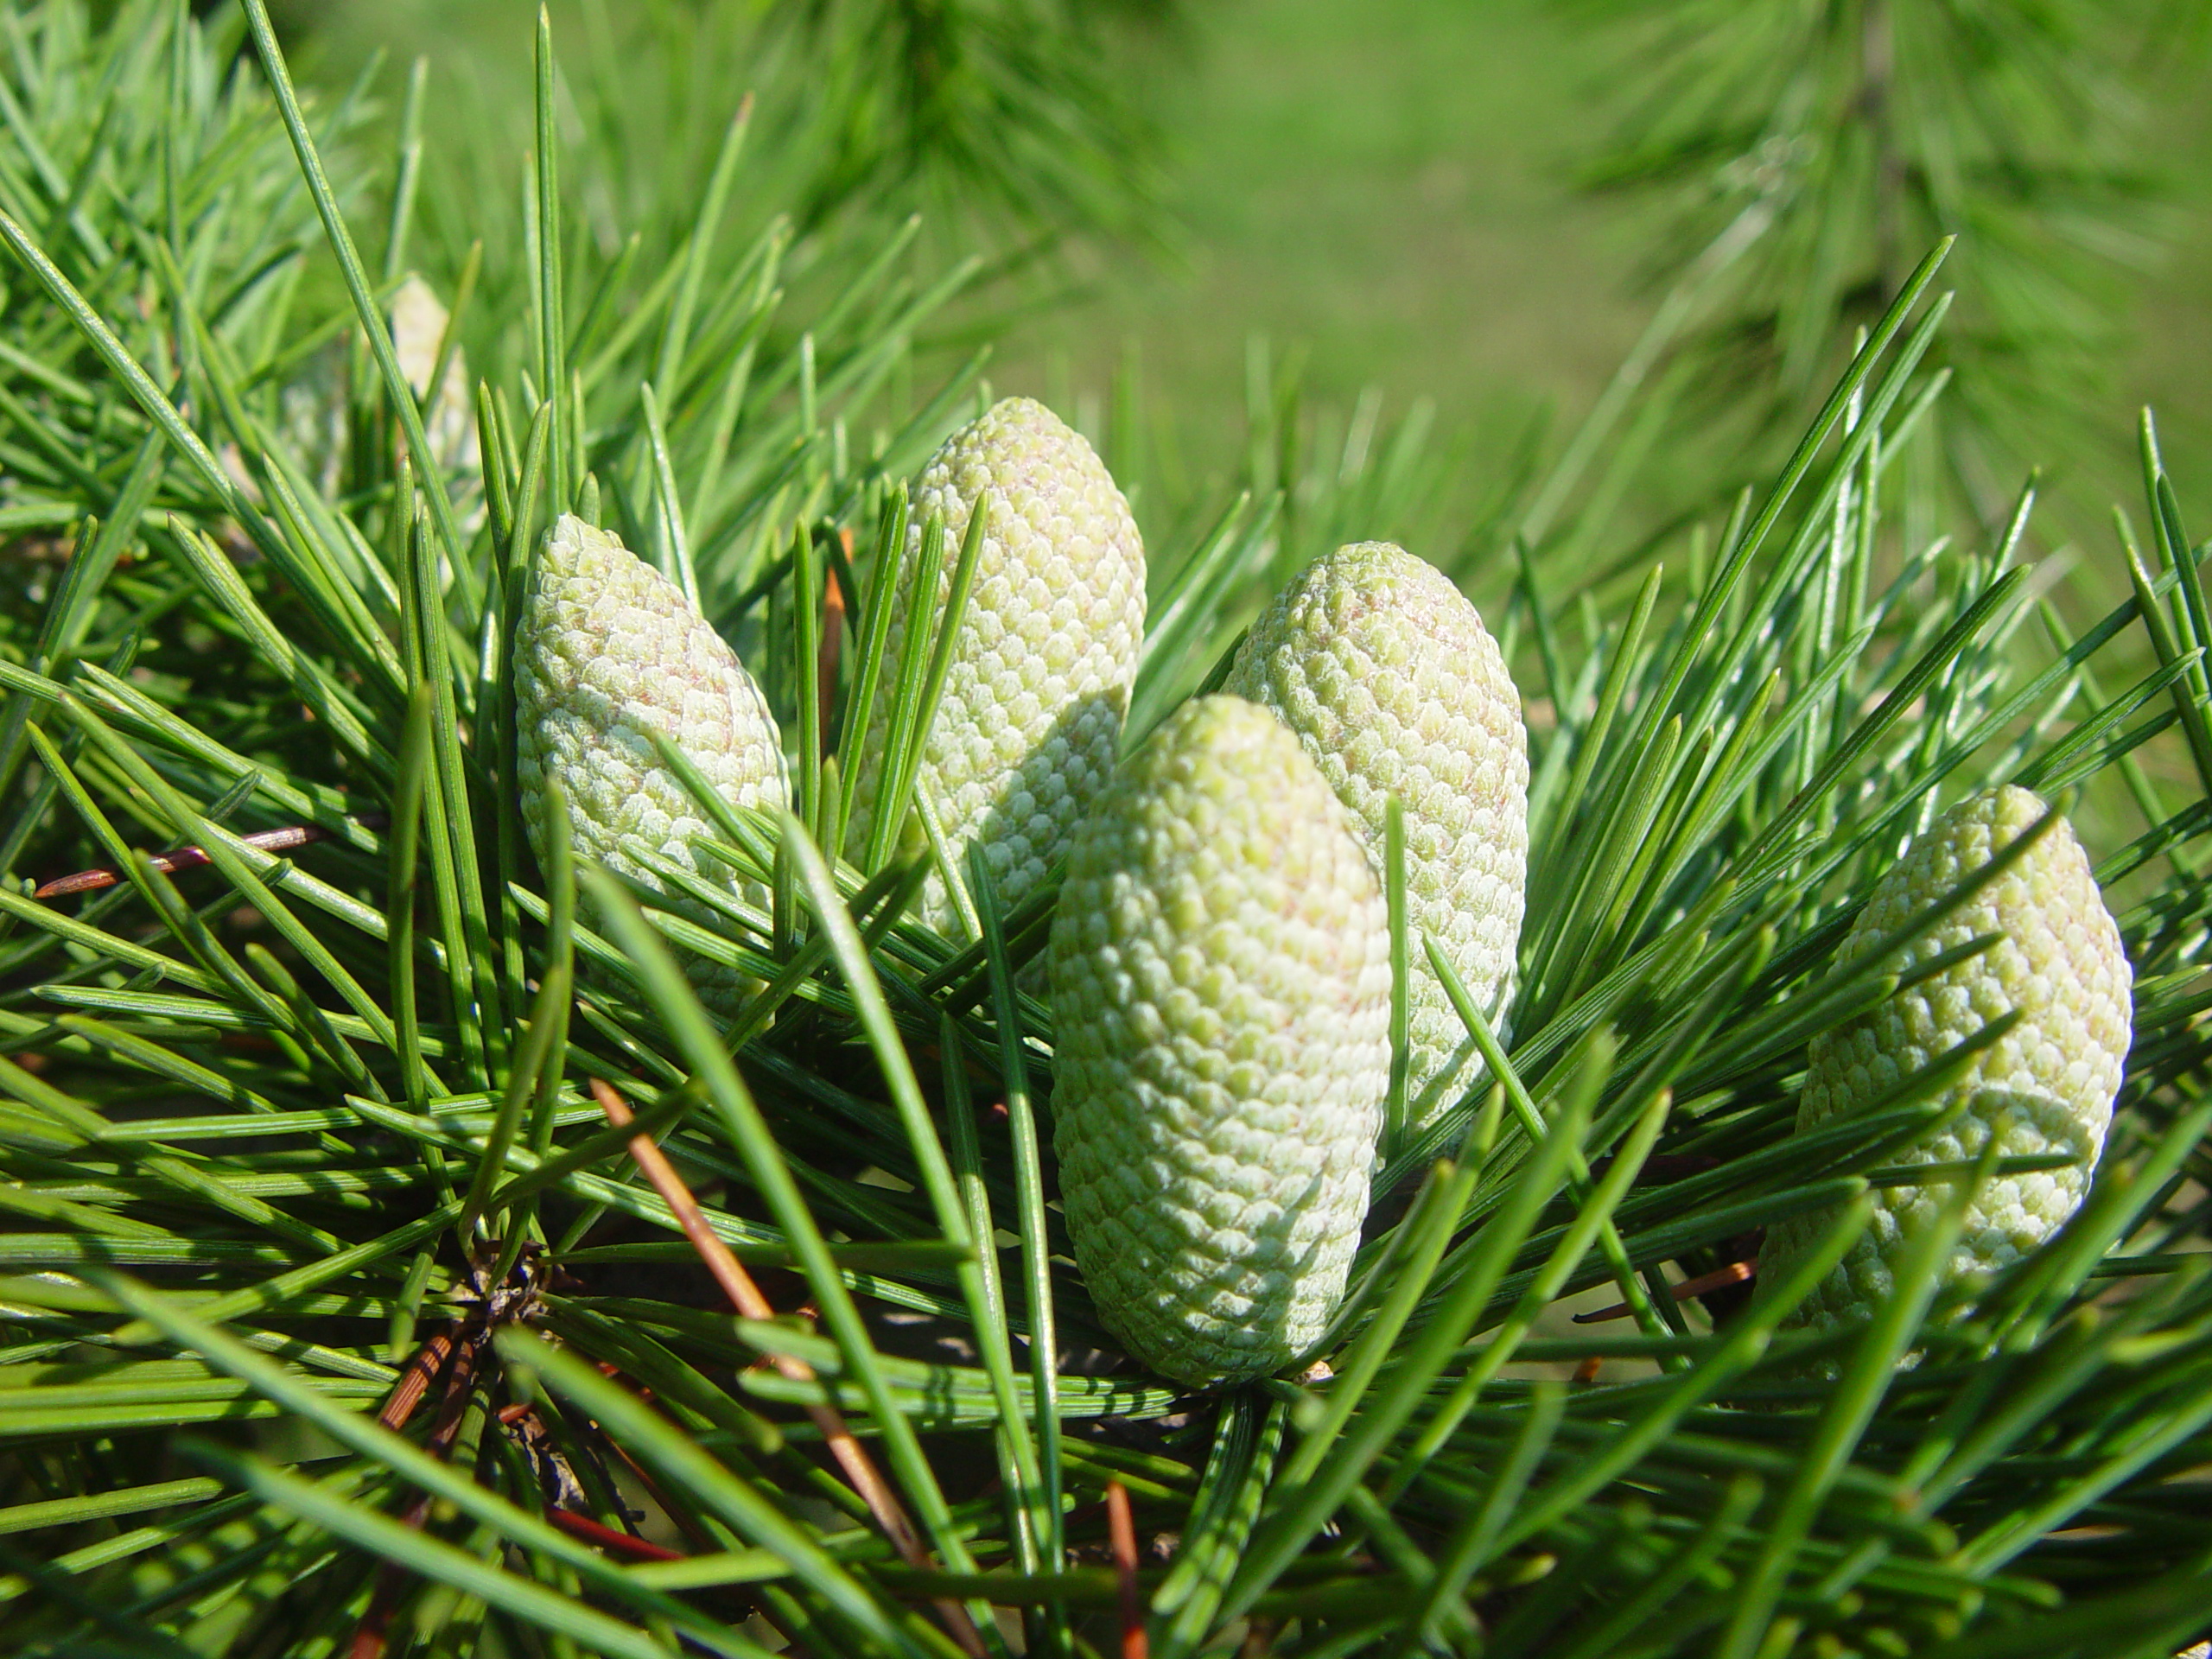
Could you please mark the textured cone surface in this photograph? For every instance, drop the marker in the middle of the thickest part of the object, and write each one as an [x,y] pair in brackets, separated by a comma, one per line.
[1220,968]
[1387,675]
[2046,1087]
[419,323]
[314,406]
[608,652]
[1031,719]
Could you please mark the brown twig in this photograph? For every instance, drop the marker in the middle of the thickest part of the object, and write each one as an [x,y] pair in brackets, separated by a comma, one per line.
[457,1352]
[369,1635]
[461,1378]
[181,858]
[1735,1274]
[621,1543]
[415,1382]
[191,858]
[745,1296]
[1121,1532]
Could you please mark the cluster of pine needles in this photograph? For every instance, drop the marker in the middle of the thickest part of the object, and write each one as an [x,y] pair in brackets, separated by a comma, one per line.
[404,1261]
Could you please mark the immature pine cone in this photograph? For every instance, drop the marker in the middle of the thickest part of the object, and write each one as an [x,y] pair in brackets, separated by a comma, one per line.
[419,322]
[1220,969]
[1032,714]
[312,408]
[1393,685]
[608,650]
[2046,1086]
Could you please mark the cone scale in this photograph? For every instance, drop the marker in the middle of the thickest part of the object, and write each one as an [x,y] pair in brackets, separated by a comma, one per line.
[608,652]
[2046,1086]
[1386,674]
[1027,730]
[1220,971]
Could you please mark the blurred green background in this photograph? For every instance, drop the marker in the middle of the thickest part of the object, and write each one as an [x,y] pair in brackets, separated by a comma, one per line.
[1395,189]
[1462,212]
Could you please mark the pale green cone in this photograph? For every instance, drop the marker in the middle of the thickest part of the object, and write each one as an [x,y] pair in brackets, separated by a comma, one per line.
[1387,675]
[419,322]
[2046,1086]
[1220,971]
[1031,719]
[314,414]
[608,650]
